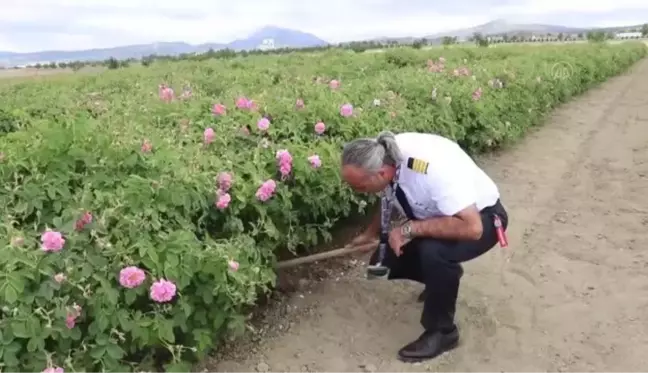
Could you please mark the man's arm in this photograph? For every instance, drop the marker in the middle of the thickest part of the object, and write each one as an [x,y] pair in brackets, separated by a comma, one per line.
[464,225]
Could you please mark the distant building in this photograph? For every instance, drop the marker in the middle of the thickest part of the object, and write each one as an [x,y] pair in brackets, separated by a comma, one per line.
[628,35]
[267,44]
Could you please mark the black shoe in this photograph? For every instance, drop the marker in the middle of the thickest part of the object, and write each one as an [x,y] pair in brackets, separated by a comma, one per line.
[429,345]
[422,296]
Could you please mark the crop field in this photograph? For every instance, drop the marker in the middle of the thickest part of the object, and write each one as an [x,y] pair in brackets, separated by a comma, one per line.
[142,209]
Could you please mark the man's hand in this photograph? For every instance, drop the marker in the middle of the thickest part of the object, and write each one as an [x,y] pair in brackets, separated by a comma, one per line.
[397,241]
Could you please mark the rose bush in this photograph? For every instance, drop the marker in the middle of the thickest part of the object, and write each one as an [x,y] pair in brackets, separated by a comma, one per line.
[137,225]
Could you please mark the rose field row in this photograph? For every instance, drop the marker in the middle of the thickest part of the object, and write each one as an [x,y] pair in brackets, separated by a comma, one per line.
[142,209]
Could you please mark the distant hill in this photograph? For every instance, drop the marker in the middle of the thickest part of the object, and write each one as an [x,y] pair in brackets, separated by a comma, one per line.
[125,52]
[282,38]
[502,27]
[499,27]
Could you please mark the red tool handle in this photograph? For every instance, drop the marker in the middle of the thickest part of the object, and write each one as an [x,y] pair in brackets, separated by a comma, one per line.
[501,235]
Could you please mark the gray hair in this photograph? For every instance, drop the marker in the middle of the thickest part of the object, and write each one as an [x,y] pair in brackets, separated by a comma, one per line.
[371,154]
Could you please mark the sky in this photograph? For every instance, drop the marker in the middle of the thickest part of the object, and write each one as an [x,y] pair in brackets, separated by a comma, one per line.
[37,25]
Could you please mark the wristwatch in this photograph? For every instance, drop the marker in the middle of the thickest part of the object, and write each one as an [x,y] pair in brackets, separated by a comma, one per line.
[406,230]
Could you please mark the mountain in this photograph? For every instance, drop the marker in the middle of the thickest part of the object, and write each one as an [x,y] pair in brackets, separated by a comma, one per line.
[125,52]
[499,27]
[282,38]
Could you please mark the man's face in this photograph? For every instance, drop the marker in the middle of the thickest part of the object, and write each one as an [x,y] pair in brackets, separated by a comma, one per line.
[363,182]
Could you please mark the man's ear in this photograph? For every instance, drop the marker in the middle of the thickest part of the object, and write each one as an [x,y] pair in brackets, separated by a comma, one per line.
[386,172]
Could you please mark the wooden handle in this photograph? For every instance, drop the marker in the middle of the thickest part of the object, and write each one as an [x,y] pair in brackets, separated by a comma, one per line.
[347,250]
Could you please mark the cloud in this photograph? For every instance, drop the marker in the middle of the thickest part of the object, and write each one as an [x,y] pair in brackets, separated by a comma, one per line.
[32,25]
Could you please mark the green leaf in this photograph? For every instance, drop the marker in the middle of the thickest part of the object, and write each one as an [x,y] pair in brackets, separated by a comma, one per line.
[86,270]
[115,351]
[33,325]
[97,261]
[236,324]
[130,296]
[124,320]
[112,295]
[46,290]
[180,366]
[18,283]
[51,192]
[172,260]
[58,221]
[165,330]
[154,256]
[102,340]
[98,352]
[35,344]
[218,320]
[203,338]
[10,294]
[208,297]
[13,347]
[141,334]
[75,334]
[177,199]
[9,358]
[7,336]
[102,321]
[19,329]
[186,308]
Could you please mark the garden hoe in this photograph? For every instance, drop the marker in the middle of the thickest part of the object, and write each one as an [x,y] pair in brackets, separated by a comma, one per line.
[378,270]
[374,271]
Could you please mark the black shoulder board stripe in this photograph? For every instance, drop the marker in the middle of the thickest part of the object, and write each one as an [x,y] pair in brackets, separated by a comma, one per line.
[417,165]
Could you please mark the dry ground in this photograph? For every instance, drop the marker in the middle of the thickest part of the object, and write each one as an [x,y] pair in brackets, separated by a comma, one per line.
[571,292]
[32,73]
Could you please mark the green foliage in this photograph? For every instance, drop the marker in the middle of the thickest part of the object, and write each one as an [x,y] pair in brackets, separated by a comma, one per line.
[449,40]
[597,36]
[419,43]
[480,40]
[72,145]
[112,63]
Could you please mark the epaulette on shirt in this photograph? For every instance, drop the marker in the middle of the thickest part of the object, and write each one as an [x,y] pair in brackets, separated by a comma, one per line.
[417,165]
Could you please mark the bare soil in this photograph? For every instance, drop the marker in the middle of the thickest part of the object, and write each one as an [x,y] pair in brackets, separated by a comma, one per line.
[8,75]
[569,294]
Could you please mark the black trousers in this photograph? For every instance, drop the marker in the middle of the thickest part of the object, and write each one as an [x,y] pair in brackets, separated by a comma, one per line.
[437,264]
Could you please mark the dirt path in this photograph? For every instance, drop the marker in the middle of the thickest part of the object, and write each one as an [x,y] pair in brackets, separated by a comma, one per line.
[570,294]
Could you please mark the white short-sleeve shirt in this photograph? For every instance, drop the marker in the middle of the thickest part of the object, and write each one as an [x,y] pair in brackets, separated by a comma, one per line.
[439,179]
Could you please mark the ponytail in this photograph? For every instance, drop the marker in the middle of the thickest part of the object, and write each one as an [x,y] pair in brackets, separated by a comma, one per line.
[393,155]
[371,154]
